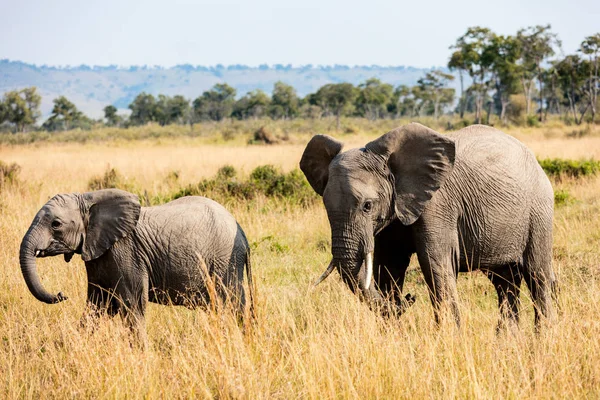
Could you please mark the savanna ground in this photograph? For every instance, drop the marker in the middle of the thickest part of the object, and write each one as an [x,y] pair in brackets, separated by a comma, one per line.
[306,342]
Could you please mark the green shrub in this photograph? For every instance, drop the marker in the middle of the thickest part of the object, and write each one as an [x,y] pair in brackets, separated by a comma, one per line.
[562,197]
[226,172]
[266,180]
[533,121]
[556,167]
[111,179]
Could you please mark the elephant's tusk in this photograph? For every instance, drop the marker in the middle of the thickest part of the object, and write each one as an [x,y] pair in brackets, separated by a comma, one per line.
[369,271]
[327,272]
[37,253]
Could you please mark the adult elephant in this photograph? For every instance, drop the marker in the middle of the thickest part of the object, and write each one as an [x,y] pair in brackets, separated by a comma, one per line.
[180,253]
[472,199]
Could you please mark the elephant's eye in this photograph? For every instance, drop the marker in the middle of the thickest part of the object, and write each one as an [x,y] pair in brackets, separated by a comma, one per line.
[368,206]
[56,224]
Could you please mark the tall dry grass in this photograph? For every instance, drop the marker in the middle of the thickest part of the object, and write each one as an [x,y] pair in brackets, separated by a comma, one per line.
[306,343]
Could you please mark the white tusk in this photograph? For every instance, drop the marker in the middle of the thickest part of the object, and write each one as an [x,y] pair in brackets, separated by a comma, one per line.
[327,272]
[369,272]
[37,252]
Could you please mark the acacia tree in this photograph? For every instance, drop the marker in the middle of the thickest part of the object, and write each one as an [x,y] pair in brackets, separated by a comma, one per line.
[373,96]
[65,115]
[337,98]
[284,101]
[143,109]
[252,105]
[215,104]
[536,44]
[21,108]
[591,47]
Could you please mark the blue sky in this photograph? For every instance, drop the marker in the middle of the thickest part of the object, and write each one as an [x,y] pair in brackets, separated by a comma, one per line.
[325,32]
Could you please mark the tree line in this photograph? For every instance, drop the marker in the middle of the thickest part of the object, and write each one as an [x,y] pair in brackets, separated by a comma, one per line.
[517,77]
[515,71]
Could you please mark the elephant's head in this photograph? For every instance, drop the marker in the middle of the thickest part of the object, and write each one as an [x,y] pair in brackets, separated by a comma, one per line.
[87,224]
[365,189]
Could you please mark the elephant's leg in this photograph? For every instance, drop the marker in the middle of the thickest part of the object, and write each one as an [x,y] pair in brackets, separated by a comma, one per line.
[97,304]
[391,259]
[439,258]
[538,274]
[393,248]
[231,287]
[130,300]
[507,281]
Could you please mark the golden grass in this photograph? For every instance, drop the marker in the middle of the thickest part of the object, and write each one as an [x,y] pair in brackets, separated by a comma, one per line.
[307,343]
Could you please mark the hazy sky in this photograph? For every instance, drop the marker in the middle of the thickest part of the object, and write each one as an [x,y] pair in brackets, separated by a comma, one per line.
[252,32]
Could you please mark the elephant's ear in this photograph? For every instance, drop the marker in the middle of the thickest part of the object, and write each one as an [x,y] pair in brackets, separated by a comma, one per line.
[113,215]
[316,158]
[420,160]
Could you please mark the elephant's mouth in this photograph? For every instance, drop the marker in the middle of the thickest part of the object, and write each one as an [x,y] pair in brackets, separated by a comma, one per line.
[57,248]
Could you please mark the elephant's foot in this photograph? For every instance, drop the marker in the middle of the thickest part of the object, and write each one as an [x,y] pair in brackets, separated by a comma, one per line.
[398,307]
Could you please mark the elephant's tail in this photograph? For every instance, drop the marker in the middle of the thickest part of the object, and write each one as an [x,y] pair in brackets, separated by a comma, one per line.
[250,284]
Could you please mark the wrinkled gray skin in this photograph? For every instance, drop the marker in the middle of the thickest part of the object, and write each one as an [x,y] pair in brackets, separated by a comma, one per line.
[472,199]
[134,254]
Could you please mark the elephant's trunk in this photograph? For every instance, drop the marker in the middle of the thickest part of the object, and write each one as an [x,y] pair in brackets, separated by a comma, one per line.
[29,246]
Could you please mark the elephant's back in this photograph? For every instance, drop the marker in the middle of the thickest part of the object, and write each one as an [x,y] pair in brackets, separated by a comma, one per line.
[487,150]
[198,221]
[500,189]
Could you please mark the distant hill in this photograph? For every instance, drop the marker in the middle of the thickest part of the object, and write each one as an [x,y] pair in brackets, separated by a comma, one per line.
[93,88]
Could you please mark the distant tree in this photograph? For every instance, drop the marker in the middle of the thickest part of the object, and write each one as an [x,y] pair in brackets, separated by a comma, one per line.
[21,108]
[401,101]
[458,63]
[33,101]
[161,110]
[475,55]
[504,53]
[536,44]
[435,85]
[178,109]
[337,98]
[65,116]
[552,92]
[284,101]
[143,109]
[591,47]
[111,117]
[253,105]
[373,97]
[573,73]
[215,104]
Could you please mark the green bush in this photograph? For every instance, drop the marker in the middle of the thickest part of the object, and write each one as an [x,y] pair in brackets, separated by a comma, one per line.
[266,180]
[562,197]
[556,167]
[111,179]
[533,121]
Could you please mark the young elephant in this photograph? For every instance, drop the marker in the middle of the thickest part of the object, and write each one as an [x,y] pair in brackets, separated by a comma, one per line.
[169,254]
[472,199]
